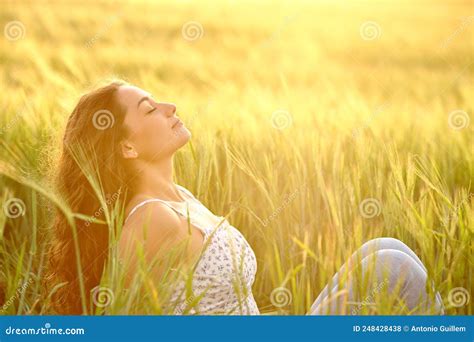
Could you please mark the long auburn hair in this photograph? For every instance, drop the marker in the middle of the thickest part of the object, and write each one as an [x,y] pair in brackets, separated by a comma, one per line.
[96,124]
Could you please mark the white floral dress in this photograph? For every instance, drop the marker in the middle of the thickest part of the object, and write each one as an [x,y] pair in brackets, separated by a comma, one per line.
[226,270]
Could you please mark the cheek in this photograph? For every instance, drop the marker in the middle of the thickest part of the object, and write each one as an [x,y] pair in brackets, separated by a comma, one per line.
[154,133]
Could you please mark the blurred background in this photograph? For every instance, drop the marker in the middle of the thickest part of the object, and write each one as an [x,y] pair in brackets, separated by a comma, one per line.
[317,124]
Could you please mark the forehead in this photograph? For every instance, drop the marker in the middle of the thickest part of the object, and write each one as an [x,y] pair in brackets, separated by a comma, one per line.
[130,95]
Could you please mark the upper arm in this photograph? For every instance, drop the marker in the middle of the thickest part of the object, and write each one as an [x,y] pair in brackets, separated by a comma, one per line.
[157,233]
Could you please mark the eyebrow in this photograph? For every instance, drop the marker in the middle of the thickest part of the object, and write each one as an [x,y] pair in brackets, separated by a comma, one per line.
[141,100]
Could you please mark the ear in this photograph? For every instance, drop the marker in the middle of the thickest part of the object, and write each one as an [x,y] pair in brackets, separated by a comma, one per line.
[128,150]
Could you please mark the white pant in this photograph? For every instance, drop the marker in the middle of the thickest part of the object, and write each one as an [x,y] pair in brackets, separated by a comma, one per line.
[396,266]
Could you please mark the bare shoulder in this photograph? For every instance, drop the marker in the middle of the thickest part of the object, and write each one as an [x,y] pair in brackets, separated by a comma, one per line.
[158,226]
[158,233]
[154,214]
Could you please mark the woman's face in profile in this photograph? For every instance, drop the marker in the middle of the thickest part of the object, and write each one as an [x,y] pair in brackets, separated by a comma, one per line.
[154,129]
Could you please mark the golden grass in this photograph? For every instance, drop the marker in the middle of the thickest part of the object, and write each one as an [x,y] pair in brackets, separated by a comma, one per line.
[296,120]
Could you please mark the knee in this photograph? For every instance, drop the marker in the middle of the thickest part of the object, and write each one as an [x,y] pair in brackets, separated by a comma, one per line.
[388,255]
[402,275]
[388,243]
[393,243]
[393,260]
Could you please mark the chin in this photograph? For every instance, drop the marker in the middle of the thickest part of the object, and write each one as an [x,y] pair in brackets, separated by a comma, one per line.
[182,136]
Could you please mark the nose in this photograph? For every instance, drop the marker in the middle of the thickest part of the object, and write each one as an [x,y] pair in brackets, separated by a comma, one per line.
[171,109]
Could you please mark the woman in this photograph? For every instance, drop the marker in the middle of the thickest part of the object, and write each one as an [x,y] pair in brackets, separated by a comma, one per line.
[134,143]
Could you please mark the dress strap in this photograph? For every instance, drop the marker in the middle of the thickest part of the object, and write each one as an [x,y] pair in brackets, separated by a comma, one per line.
[195,223]
[186,191]
[188,194]
[141,204]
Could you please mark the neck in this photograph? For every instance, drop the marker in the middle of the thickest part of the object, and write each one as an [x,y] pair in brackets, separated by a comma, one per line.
[156,180]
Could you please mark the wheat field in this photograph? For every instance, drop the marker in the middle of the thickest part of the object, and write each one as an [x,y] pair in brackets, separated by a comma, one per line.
[316,126]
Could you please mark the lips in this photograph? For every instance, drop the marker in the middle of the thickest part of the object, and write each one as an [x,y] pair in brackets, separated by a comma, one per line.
[176,123]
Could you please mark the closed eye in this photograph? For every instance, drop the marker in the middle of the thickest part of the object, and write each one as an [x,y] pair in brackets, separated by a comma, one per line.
[151,110]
